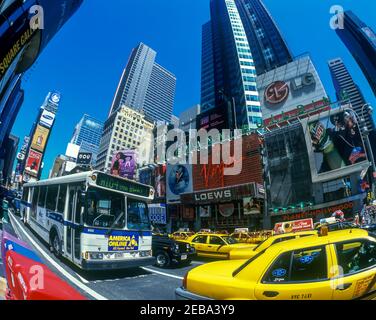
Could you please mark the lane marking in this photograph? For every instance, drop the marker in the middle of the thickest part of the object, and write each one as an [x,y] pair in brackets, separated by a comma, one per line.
[81,278]
[72,279]
[162,273]
[198,263]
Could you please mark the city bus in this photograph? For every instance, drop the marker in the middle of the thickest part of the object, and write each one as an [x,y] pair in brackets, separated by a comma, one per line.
[95,220]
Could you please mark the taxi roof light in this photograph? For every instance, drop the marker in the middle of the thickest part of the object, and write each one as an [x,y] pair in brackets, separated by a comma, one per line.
[324,231]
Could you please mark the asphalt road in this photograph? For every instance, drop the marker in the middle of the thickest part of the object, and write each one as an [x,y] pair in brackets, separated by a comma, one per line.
[147,283]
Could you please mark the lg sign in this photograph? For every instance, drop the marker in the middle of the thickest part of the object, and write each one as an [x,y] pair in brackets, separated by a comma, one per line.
[278,91]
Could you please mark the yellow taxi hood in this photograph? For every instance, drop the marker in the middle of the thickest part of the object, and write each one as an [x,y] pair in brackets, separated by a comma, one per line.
[210,279]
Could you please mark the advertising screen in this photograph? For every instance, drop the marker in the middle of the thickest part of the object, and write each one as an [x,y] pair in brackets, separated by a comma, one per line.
[179,180]
[33,163]
[290,91]
[84,158]
[124,164]
[47,119]
[335,142]
[40,138]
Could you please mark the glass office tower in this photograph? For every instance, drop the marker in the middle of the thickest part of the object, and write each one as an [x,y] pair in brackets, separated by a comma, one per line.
[146,86]
[360,40]
[269,49]
[228,81]
[87,135]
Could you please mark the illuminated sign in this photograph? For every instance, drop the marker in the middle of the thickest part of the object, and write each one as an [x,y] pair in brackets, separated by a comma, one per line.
[121,185]
[47,119]
[33,163]
[6,61]
[40,138]
[292,86]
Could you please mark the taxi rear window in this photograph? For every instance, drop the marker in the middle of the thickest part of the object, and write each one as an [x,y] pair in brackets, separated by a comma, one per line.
[303,265]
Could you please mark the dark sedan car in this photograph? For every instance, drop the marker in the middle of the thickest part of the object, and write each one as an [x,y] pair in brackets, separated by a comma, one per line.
[170,252]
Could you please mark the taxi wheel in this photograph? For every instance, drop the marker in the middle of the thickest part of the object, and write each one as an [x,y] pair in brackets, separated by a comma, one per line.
[163,260]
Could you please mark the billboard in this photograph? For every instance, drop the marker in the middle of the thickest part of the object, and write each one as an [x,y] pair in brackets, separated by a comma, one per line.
[294,86]
[179,180]
[124,164]
[47,119]
[158,213]
[205,211]
[40,138]
[250,206]
[52,101]
[335,143]
[156,177]
[294,226]
[33,163]
[215,118]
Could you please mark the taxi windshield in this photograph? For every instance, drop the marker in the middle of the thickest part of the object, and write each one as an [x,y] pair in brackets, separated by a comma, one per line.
[229,240]
[137,215]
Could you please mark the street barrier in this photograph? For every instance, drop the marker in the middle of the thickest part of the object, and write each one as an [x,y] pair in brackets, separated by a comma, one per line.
[28,278]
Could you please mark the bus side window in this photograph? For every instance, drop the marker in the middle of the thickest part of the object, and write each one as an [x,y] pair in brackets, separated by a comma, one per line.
[71,201]
[61,199]
[42,197]
[51,198]
[79,204]
[35,202]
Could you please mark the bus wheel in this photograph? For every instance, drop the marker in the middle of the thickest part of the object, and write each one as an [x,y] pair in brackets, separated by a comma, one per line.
[163,260]
[55,244]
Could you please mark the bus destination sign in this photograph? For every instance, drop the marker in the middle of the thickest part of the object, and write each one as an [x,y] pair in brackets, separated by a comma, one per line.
[121,185]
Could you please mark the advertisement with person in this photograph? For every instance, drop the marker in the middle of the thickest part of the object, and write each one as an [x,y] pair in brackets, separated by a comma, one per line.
[124,164]
[335,141]
[33,163]
[40,138]
[160,181]
[179,180]
[205,212]
[250,206]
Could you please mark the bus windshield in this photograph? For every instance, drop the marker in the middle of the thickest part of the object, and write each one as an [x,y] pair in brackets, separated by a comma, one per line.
[137,215]
[105,209]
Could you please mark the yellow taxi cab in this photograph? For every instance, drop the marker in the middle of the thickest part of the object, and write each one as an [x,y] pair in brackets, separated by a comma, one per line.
[339,265]
[251,237]
[249,253]
[181,235]
[215,245]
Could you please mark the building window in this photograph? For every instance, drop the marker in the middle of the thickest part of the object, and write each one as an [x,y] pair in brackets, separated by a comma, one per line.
[337,189]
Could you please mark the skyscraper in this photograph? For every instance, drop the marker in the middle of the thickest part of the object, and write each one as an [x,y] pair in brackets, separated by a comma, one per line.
[269,49]
[146,86]
[345,86]
[360,40]
[87,135]
[229,76]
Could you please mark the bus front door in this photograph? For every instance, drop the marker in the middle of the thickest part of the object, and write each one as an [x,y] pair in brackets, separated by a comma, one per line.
[73,225]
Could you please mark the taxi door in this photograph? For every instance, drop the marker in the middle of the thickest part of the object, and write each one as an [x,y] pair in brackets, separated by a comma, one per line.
[354,268]
[297,275]
[199,243]
[215,247]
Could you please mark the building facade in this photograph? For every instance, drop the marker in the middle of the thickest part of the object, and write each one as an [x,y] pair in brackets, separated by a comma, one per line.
[146,86]
[87,135]
[126,129]
[310,173]
[229,75]
[360,40]
[347,89]
[188,118]
[269,49]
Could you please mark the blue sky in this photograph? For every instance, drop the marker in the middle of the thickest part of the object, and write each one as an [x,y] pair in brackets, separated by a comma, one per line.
[85,60]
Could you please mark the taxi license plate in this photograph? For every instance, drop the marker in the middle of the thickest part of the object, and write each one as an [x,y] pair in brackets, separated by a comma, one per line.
[184,257]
